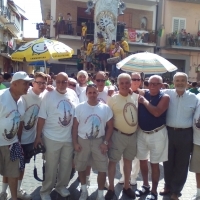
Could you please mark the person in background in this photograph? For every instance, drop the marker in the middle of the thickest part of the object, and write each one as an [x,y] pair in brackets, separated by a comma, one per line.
[165,86]
[79,62]
[89,54]
[107,82]
[69,23]
[84,33]
[194,88]
[72,83]
[125,46]
[90,78]
[53,77]
[111,47]
[146,84]
[60,24]
[2,86]
[49,80]
[7,78]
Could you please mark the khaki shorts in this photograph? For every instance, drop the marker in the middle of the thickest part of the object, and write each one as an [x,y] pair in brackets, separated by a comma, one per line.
[122,145]
[195,159]
[7,167]
[155,144]
[91,152]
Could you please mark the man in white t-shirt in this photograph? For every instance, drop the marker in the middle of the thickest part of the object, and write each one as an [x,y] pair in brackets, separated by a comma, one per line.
[11,110]
[82,78]
[195,159]
[91,140]
[54,125]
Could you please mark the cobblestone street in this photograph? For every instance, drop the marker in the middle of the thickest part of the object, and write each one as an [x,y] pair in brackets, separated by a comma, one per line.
[32,186]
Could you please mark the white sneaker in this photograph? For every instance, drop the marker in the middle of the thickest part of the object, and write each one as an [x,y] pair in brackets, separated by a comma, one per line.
[88,181]
[121,180]
[45,196]
[106,184]
[21,194]
[64,192]
[3,196]
[84,195]
[195,197]
[100,198]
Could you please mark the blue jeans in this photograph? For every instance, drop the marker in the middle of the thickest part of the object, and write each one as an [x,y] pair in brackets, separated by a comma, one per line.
[115,71]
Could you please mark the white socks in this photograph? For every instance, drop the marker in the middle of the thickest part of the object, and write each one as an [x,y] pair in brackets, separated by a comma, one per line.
[100,193]
[198,192]
[19,184]
[4,187]
[83,188]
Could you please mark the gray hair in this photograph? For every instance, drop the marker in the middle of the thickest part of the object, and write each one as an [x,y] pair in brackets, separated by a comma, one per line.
[123,75]
[180,74]
[156,76]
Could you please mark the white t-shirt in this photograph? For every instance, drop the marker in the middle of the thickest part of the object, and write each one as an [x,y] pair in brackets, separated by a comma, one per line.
[81,93]
[196,123]
[92,119]
[103,96]
[58,111]
[32,106]
[10,117]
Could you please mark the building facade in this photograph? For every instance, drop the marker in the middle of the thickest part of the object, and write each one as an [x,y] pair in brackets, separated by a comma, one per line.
[179,22]
[139,19]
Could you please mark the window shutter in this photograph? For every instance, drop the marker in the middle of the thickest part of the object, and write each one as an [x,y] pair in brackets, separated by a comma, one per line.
[182,24]
[176,25]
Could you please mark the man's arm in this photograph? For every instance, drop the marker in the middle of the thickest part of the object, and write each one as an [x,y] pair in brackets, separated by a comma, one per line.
[19,133]
[40,125]
[156,110]
[77,146]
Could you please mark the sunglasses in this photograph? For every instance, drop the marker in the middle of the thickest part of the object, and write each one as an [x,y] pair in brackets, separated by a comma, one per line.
[136,79]
[100,80]
[154,84]
[73,85]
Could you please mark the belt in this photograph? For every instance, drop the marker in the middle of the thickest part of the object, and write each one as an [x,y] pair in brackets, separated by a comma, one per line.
[127,134]
[155,130]
[178,129]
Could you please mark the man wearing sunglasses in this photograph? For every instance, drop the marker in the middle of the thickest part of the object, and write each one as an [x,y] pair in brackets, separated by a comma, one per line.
[54,125]
[152,135]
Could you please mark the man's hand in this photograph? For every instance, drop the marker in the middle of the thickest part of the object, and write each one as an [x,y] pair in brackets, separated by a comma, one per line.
[104,149]
[77,147]
[38,140]
[50,88]
[141,99]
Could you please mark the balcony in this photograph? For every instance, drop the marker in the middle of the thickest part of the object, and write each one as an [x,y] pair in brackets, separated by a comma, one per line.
[6,51]
[179,42]
[5,14]
[14,24]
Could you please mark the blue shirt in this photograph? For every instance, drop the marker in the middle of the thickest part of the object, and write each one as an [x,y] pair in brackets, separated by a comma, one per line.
[147,121]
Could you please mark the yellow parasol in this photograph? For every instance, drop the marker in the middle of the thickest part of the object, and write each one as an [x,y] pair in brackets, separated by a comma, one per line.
[42,49]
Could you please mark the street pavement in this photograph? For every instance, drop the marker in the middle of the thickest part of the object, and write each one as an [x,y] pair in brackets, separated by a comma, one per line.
[32,186]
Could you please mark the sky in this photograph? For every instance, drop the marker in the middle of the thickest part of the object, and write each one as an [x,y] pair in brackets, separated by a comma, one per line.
[33,13]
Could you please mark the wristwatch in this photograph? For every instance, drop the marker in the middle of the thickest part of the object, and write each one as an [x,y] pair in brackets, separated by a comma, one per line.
[105,142]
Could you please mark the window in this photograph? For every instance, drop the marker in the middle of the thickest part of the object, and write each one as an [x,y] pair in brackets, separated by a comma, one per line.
[178,24]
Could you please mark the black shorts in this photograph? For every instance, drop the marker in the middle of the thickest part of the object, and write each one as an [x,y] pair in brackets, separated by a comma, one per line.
[102,56]
[27,148]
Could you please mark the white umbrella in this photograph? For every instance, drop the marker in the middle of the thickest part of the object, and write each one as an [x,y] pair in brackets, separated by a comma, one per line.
[148,63]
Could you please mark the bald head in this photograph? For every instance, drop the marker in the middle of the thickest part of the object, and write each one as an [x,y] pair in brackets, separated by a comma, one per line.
[61,82]
[62,74]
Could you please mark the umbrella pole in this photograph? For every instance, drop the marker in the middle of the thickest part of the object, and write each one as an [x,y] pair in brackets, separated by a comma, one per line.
[45,67]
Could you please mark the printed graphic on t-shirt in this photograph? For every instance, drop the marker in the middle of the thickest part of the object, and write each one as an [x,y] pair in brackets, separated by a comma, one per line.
[197,123]
[130,114]
[65,107]
[9,134]
[33,111]
[94,121]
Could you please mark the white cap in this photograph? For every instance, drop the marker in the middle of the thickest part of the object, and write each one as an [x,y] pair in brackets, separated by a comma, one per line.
[111,87]
[21,76]
[82,72]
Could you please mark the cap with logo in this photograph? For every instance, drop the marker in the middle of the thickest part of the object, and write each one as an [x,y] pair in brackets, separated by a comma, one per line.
[21,76]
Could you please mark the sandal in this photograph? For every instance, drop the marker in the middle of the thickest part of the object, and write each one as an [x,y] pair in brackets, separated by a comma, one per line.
[142,191]
[151,196]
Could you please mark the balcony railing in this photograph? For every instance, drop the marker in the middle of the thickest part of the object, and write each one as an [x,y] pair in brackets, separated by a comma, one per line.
[7,50]
[16,22]
[5,11]
[176,39]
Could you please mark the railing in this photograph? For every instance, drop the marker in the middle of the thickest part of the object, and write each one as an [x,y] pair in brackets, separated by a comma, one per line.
[8,50]
[189,40]
[6,12]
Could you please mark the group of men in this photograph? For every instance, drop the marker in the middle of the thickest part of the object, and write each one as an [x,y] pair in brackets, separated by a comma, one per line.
[90,125]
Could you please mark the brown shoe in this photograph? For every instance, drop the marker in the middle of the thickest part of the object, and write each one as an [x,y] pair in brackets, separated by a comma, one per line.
[130,193]
[164,191]
[174,197]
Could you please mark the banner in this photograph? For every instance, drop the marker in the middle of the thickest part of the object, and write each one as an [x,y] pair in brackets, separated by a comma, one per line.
[132,35]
